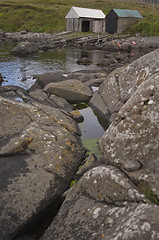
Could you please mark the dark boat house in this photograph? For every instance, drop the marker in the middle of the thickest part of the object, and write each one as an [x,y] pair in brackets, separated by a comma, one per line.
[85,20]
[118,20]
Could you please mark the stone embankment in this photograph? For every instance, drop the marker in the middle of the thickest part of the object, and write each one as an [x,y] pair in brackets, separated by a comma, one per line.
[109,43]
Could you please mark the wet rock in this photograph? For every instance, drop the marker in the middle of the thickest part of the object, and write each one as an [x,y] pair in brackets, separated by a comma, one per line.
[25,48]
[104,204]
[131,141]
[73,90]
[40,151]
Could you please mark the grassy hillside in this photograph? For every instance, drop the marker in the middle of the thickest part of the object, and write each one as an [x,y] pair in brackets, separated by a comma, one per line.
[49,15]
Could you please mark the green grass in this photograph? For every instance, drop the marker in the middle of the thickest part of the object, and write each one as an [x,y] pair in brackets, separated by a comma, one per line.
[49,15]
[147,191]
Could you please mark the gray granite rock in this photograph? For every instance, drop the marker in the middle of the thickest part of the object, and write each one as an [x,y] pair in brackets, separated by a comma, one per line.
[120,84]
[104,204]
[40,150]
[132,140]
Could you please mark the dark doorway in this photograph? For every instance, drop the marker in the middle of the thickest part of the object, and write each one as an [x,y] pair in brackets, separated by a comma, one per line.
[111,25]
[85,26]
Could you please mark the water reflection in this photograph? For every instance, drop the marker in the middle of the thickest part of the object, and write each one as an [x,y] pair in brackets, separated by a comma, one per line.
[21,71]
[90,128]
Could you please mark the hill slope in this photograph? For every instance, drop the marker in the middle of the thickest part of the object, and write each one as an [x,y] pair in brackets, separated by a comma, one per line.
[49,15]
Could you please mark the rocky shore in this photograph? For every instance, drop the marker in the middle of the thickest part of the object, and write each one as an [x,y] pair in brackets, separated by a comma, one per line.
[108,43]
[117,196]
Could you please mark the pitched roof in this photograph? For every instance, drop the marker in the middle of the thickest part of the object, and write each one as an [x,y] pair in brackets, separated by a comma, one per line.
[127,13]
[77,12]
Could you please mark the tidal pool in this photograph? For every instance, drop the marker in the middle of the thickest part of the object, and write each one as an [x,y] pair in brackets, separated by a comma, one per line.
[92,129]
[22,71]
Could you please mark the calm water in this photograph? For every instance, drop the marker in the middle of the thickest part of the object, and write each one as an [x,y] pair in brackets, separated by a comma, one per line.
[90,128]
[21,71]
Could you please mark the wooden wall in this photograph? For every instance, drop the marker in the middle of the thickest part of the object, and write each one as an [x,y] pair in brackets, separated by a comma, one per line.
[76,24]
[124,23]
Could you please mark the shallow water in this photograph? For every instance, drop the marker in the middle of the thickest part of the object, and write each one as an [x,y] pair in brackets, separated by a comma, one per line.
[90,128]
[21,71]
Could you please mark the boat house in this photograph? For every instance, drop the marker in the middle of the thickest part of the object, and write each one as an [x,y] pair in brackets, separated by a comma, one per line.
[85,20]
[117,20]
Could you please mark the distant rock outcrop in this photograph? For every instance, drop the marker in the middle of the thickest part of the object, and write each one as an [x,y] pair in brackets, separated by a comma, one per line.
[25,48]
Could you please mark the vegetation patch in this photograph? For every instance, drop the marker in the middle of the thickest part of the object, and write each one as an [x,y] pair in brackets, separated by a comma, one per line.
[49,16]
[79,106]
[147,191]
[72,183]
[91,144]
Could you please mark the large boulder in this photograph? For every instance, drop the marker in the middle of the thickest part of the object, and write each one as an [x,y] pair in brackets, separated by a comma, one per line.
[25,48]
[119,85]
[40,150]
[73,90]
[46,78]
[105,204]
[132,140]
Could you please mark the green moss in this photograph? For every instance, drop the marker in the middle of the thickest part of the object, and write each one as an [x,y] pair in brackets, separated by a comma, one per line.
[91,144]
[72,183]
[147,191]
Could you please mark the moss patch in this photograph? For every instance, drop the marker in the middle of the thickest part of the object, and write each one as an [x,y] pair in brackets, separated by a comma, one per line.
[79,106]
[147,191]
[91,144]
[72,183]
